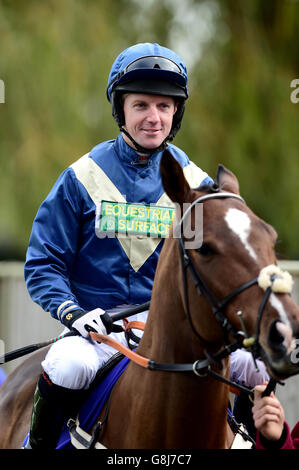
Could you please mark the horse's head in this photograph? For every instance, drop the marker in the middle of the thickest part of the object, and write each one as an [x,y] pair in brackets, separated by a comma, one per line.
[230,258]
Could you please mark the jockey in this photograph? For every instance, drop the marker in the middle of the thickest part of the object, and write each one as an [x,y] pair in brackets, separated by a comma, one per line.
[81,276]
[76,269]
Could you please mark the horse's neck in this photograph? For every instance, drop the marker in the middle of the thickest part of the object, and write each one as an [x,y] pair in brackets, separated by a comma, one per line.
[170,403]
[164,333]
[168,334]
[168,337]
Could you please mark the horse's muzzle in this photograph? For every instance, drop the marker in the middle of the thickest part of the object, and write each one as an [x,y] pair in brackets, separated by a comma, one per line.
[281,353]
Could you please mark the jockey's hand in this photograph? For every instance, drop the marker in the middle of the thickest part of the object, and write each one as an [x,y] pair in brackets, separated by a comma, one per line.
[83,322]
[268,414]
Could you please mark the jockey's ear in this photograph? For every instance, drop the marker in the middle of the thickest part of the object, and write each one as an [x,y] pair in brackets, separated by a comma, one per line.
[173,179]
[226,180]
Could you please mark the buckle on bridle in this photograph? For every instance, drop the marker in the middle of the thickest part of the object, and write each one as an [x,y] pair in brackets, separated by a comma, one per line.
[206,368]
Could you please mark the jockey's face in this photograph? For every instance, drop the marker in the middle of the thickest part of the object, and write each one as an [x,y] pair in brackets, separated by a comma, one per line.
[148,118]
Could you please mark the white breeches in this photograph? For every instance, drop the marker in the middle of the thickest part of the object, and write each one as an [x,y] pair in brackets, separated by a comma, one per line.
[73,362]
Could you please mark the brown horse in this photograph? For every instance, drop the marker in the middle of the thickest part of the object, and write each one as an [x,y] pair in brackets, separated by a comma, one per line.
[195,309]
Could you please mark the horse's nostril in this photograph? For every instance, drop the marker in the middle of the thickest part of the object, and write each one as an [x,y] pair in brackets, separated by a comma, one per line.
[276,338]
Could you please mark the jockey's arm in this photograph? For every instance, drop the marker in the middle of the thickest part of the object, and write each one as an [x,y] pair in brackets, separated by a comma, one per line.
[52,249]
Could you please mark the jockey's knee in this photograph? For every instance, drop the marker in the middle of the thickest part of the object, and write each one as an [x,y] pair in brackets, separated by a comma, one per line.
[72,363]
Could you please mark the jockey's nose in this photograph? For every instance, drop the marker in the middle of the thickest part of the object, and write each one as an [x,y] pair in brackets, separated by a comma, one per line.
[153,114]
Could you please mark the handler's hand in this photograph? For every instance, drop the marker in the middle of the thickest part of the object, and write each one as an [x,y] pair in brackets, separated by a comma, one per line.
[268,414]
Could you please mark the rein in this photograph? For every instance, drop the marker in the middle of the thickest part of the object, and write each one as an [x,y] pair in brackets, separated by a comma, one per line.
[201,368]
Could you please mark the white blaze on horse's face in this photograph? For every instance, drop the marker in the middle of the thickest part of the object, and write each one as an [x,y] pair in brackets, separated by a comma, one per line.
[239,222]
[275,302]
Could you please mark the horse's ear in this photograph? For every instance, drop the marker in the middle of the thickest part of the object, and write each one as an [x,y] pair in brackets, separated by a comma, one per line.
[173,179]
[226,180]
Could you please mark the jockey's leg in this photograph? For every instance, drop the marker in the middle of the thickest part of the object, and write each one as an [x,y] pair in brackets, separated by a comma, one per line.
[69,369]
[52,405]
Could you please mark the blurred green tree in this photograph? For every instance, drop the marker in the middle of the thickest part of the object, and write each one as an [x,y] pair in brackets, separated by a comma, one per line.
[242,56]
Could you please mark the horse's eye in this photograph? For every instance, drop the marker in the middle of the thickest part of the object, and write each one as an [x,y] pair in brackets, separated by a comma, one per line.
[205,250]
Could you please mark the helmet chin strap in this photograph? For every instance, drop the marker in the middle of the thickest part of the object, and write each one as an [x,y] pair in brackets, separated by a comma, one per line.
[142,150]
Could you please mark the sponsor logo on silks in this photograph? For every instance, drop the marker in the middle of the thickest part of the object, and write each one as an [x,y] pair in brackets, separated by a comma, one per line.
[123,218]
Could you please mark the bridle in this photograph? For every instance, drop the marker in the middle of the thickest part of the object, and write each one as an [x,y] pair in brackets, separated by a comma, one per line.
[218,306]
[187,263]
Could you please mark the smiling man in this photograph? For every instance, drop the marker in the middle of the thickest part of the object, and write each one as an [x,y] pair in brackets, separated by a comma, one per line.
[80,275]
[148,118]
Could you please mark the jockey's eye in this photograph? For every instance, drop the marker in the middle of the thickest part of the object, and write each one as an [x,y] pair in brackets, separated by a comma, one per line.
[205,250]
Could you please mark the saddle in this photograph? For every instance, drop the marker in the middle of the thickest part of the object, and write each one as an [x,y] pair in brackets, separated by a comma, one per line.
[107,367]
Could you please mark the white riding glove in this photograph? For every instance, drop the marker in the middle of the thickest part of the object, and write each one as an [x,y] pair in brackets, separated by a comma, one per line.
[83,322]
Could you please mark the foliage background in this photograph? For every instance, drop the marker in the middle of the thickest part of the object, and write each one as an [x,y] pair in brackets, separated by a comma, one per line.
[242,55]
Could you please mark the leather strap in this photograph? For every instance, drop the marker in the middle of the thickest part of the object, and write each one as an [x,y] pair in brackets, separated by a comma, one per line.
[201,367]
